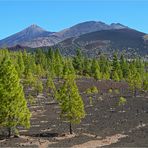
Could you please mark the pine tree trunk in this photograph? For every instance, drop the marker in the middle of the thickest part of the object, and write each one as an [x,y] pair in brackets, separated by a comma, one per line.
[9,132]
[70,128]
[135,92]
[52,95]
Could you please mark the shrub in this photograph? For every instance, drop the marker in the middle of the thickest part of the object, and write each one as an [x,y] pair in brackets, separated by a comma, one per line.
[110,90]
[88,91]
[117,91]
[122,101]
[92,90]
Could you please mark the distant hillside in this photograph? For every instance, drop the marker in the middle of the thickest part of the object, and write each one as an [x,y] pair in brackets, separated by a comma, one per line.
[106,41]
[91,36]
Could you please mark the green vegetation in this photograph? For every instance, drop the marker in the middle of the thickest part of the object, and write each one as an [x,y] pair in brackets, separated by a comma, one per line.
[92,90]
[71,104]
[122,101]
[13,106]
[38,71]
[110,90]
[50,86]
[45,63]
[117,91]
[134,79]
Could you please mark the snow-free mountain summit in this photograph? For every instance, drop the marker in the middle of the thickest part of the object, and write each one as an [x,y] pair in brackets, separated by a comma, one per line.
[34,36]
[91,36]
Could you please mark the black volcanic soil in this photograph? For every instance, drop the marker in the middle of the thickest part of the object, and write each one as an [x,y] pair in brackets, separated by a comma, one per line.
[104,120]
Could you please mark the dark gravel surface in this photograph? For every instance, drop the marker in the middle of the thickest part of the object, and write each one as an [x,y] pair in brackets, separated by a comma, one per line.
[103,118]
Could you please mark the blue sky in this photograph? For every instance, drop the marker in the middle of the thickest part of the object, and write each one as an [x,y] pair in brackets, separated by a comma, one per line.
[59,14]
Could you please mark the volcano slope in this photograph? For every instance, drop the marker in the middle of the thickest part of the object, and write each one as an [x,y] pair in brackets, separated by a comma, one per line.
[106,123]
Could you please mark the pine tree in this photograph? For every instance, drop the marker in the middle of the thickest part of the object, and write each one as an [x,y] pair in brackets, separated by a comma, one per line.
[58,64]
[3,53]
[145,85]
[115,76]
[139,64]
[50,54]
[50,83]
[51,62]
[29,80]
[116,69]
[71,104]
[20,64]
[13,106]
[68,68]
[40,71]
[134,81]
[115,64]
[51,70]
[120,74]
[50,87]
[95,69]
[39,56]
[97,74]
[104,64]
[105,76]
[32,65]
[105,67]
[25,57]
[145,81]
[87,67]
[39,86]
[78,62]
[124,66]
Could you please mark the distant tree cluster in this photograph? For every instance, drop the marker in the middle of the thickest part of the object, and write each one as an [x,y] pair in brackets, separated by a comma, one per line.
[133,71]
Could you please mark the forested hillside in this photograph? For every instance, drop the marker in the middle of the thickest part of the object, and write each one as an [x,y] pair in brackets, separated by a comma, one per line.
[26,76]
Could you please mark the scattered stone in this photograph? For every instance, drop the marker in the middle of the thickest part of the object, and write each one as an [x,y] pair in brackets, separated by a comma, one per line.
[63,135]
[16,136]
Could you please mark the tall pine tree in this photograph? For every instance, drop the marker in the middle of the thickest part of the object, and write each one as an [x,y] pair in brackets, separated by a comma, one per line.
[71,104]
[13,106]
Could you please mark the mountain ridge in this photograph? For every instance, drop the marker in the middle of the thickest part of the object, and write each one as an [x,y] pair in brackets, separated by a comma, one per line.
[92,37]
[108,41]
[34,36]
[25,35]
